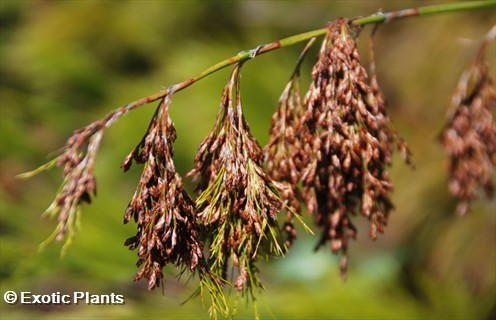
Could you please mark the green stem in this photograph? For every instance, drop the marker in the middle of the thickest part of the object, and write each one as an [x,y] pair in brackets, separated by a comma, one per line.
[378,17]
[424,11]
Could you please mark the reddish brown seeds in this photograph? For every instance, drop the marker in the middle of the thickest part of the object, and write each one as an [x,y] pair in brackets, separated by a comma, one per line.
[165,214]
[283,154]
[348,139]
[238,202]
[470,135]
[79,184]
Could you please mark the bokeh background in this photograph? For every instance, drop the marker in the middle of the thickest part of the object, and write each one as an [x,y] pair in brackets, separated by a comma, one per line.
[65,64]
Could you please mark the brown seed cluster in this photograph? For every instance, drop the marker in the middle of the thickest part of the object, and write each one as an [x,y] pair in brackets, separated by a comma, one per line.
[238,202]
[330,151]
[348,142]
[469,138]
[165,214]
[281,154]
[79,183]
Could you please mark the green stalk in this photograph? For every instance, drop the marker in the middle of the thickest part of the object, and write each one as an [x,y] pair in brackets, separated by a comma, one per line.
[424,11]
[371,19]
[378,17]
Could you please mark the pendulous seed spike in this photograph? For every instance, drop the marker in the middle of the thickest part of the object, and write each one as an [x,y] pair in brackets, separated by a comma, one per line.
[346,133]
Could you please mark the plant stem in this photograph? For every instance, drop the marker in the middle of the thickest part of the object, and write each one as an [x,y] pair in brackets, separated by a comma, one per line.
[378,17]
[424,11]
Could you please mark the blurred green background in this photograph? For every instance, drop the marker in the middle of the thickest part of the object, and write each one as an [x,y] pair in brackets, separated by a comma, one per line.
[65,64]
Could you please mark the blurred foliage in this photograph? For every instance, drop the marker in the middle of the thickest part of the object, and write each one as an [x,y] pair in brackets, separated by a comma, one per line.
[64,64]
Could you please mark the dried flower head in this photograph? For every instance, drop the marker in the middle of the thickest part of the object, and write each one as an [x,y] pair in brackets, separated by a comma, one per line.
[79,185]
[165,214]
[346,127]
[168,232]
[77,159]
[282,154]
[470,134]
[238,202]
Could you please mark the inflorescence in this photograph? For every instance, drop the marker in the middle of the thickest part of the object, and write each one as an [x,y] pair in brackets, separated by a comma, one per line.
[328,151]
[469,136]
